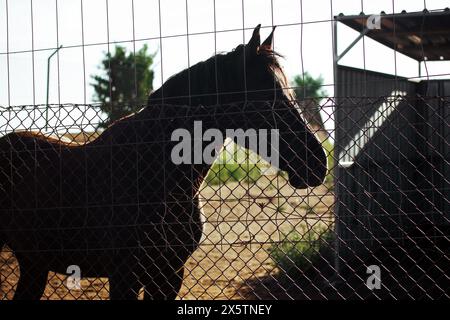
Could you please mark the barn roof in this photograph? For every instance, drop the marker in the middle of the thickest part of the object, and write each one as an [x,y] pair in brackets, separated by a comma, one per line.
[423,35]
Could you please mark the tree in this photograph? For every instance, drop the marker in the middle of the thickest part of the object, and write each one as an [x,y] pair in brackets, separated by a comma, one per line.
[309,92]
[125,84]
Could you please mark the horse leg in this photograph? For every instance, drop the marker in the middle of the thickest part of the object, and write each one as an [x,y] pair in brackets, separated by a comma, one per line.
[124,283]
[164,286]
[32,281]
[123,287]
[164,264]
[162,274]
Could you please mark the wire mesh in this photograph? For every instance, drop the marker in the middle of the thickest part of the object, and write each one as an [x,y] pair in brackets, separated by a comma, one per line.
[356,207]
[258,236]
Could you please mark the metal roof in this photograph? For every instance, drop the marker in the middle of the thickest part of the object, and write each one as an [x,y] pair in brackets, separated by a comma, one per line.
[423,35]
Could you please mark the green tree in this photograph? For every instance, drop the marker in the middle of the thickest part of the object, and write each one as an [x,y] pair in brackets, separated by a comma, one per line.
[126,81]
[309,92]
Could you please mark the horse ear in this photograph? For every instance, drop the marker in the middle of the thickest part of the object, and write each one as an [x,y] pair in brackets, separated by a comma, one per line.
[255,41]
[268,43]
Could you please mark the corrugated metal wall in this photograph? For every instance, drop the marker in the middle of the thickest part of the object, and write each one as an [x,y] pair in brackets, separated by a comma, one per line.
[434,140]
[399,177]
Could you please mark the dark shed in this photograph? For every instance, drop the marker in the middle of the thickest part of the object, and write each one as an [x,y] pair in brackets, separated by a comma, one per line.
[392,138]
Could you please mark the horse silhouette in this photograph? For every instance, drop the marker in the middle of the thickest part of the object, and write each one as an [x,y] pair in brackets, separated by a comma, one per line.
[118,207]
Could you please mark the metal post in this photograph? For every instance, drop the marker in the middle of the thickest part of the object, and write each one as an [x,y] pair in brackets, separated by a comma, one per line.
[420,70]
[48,85]
[335,169]
[335,51]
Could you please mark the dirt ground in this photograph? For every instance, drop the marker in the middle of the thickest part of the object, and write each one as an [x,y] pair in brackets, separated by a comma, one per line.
[241,222]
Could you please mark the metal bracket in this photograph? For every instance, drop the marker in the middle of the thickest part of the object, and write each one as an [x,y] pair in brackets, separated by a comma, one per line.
[351,45]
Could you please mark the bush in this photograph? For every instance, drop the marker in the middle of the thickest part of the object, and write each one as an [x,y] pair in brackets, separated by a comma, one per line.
[297,252]
[223,173]
[235,168]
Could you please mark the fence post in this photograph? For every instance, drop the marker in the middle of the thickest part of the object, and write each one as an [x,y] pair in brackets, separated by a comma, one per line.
[48,85]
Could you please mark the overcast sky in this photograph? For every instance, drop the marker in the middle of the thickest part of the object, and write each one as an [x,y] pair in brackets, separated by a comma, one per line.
[42,25]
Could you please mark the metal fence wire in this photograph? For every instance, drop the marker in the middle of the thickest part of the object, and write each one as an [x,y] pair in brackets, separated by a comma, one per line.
[226,185]
[86,211]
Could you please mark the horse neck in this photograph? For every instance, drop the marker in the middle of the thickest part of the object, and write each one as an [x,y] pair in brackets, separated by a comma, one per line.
[238,121]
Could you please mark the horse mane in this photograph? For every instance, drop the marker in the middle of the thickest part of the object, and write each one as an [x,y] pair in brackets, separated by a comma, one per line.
[201,82]
[273,63]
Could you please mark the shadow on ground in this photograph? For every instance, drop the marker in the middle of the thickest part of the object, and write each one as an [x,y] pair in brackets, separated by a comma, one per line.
[415,269]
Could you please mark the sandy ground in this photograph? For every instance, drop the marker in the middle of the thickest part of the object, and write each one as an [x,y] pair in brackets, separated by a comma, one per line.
[241,222]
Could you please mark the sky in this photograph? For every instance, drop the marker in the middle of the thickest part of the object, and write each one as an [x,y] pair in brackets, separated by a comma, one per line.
[181,33]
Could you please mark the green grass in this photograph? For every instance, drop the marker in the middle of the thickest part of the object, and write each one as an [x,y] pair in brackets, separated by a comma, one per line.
[298,251]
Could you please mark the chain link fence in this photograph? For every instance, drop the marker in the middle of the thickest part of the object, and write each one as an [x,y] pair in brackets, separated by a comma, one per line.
[377,227]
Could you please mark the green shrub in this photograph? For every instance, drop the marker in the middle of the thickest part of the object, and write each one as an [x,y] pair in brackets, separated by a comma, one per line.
[298,251]
[235,167]
[222,173]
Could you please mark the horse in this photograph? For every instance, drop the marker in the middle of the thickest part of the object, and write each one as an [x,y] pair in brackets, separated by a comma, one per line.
[117,206]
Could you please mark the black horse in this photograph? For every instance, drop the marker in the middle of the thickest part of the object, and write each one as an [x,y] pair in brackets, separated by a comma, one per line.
[118,207]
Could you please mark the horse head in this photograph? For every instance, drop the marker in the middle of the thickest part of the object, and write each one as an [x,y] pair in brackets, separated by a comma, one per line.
[251,75]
